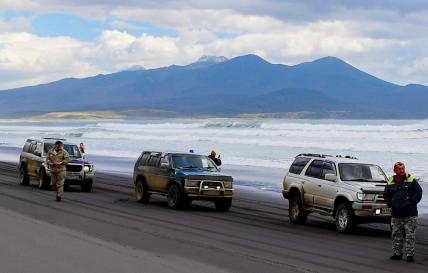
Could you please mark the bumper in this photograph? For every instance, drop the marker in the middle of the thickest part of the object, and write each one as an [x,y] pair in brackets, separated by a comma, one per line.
[197,193]
[285,194]
[372,210]
[76,178]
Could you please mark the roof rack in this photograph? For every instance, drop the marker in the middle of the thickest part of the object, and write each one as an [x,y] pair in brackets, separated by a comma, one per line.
[346,156]
[314,155]
[55,138]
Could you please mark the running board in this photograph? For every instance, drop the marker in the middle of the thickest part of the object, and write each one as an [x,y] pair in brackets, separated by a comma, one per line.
[319,211]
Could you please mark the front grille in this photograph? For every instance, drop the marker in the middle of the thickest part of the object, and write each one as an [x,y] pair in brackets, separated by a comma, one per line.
[212,184]
[74,168]
[380,198]
[209,177]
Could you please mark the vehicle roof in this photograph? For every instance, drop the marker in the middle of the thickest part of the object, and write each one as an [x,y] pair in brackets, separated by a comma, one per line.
[336,159]
[51,140]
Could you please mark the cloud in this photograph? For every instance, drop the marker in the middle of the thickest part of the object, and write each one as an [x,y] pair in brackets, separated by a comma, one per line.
[385,38]
[17,24]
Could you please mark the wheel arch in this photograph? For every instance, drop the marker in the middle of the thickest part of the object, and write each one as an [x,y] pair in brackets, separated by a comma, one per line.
[339,200]
[295,190]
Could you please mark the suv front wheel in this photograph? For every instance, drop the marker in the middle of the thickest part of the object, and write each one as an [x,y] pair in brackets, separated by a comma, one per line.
[295,211]
[345,219]
[44,180]
[223,204]
[175,197]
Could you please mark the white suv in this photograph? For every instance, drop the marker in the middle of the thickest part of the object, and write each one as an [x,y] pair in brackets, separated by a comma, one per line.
[345,188]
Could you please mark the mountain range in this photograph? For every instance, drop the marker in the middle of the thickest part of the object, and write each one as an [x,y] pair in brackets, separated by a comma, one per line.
[216,86]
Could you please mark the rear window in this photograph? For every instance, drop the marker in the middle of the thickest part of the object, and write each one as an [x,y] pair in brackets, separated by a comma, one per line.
[298,165]
[144,159]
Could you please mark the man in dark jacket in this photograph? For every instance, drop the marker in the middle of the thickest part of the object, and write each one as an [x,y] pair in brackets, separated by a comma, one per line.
[402,194]
[216,160]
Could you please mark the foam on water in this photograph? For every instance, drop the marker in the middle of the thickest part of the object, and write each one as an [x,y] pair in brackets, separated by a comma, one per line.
[258,143]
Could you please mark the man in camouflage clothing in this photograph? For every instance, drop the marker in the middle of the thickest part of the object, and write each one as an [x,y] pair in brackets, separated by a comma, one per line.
[57,159]
[402,194]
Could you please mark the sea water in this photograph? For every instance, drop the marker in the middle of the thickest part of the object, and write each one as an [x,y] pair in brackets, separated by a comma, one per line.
[254,144]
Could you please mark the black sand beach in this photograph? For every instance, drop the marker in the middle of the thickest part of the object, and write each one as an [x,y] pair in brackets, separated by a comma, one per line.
[107,231]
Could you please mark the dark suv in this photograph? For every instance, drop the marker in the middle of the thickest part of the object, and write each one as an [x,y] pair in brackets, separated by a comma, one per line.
[32,164]
[182,177]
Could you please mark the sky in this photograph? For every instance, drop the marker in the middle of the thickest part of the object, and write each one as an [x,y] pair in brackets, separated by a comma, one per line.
[46,40]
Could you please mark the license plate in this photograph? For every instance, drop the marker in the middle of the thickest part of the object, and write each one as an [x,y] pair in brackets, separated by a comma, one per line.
[72,177]
[385,210]
[212,192]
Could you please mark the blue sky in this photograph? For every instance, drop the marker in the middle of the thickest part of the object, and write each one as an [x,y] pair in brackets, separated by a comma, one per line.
[46,40]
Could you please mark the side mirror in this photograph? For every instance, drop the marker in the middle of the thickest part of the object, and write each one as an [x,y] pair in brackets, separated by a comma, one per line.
[164,165]
[330,177]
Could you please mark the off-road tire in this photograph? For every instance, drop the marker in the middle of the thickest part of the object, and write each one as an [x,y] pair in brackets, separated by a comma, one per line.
[296,212]
[86,186]
[345,218]
[44,180]
[141,194]
[175,197]
[223,204]
[23,178]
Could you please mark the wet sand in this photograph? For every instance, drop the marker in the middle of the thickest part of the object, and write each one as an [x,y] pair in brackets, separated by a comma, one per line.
[107,231]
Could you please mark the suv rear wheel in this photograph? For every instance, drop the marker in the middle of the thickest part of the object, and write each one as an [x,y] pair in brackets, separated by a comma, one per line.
[141,194]
[295,211]
[44,180]
[23,177]
[345,219]
[175,197]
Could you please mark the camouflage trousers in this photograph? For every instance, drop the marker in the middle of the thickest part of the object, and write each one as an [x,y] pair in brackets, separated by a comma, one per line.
[57,179]
[404,230]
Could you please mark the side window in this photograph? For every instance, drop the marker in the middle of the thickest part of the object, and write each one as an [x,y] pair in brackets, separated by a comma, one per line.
[164,160]
[26,148]
[32,148]
[315,169]
[154,161]
[38,149]
[328,167]
[298,165]
[144,159]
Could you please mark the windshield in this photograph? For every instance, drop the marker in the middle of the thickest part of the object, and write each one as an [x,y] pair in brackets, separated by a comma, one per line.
[361,172]
[193,161]
[72,150]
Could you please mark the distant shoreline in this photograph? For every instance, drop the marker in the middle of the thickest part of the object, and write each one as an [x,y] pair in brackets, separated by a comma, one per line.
[130,115]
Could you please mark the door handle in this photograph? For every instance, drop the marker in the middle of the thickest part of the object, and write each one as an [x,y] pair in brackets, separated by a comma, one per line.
[319,186]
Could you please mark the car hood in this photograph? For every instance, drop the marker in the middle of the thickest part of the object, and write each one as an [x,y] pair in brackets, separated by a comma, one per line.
[203,174]
[368,187]
[80,161]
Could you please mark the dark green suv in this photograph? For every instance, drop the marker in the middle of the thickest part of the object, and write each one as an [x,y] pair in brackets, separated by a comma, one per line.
[182,177]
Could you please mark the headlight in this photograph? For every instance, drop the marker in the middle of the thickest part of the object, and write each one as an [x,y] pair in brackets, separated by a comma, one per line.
[192,183]
[86,169]
[365,196]
[227,184]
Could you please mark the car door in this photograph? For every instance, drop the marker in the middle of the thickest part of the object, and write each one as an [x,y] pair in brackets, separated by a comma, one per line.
[312,182]
[295,176]
[161,175]
[38,159]
[31,160]
[328,189]
[151,172]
